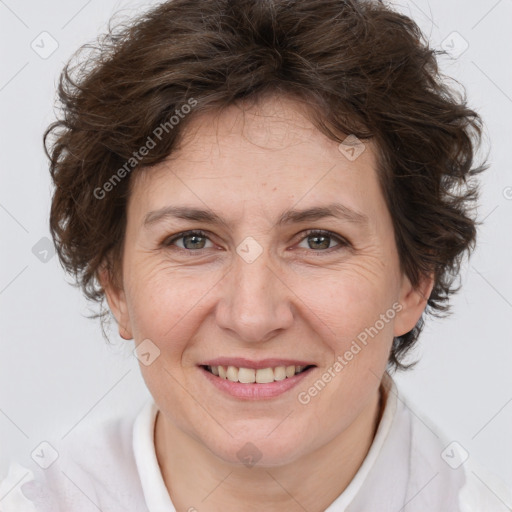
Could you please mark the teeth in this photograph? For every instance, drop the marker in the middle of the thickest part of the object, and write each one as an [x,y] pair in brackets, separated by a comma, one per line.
[290,371]
[280,373]
[232,373]
[245,375]
[250,375]
[265,375]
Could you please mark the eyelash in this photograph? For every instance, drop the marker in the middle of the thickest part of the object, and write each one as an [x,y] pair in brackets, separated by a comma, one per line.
[342,242]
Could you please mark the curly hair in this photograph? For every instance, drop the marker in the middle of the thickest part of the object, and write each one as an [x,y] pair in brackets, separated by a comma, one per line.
[361,67]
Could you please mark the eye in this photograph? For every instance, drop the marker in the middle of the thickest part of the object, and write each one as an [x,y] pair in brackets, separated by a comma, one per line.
[319,240]
[191,240]
[196,240]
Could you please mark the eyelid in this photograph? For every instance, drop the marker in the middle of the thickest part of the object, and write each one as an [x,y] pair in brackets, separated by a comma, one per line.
[342,242]
[167,241]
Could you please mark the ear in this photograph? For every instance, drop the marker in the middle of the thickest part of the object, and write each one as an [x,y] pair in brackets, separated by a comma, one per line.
[413,302]
[116,300]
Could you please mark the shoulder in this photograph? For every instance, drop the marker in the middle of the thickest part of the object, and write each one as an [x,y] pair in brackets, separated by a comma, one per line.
[93,467]
[484,491]
[444,476]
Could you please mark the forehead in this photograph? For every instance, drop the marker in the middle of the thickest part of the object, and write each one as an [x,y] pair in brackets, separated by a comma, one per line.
[276,126]
[268,154]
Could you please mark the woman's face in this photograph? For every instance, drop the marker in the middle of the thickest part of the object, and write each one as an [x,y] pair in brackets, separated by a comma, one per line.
[254,285]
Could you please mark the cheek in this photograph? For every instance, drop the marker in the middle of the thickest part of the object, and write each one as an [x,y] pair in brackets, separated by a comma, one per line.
[162,301]
[167,304]
[347,301]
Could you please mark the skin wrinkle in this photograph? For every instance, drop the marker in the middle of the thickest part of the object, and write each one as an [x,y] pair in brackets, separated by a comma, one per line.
[284,304]
[241,110]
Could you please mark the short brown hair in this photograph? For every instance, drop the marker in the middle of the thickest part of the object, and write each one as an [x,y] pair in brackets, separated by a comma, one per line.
[363,69]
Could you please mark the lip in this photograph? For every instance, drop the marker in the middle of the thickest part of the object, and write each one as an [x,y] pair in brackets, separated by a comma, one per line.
[255,391]
[241,362]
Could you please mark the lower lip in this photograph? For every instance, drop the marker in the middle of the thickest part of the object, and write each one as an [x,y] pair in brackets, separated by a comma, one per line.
[254,391]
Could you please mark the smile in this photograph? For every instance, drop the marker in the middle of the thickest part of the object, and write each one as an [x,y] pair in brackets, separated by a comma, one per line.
[255,383]
[253,375]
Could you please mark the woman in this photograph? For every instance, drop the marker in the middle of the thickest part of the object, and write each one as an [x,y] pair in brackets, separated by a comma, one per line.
[269,196]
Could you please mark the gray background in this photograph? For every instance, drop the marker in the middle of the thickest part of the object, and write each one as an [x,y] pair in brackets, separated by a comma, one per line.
[56,371]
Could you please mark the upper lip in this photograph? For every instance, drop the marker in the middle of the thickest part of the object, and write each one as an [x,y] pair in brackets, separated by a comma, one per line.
[241,362]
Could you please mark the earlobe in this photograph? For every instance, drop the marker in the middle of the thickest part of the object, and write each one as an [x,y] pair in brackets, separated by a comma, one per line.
[125,333]
[413,302]
[116,300]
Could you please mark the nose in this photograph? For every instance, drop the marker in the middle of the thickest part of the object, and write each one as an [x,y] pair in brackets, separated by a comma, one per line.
[255,303]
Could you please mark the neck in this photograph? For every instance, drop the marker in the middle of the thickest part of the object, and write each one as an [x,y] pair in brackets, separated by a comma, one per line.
[198,480]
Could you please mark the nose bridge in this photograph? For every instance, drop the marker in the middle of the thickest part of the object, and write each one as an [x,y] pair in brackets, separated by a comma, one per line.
[256,303]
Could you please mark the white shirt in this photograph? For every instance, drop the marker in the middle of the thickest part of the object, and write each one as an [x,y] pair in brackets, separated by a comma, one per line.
[410,467]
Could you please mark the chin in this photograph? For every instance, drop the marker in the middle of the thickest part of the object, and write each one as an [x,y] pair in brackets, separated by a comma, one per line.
[260,450]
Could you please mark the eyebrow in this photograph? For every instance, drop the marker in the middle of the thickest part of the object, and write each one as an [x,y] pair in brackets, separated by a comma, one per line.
[335,210]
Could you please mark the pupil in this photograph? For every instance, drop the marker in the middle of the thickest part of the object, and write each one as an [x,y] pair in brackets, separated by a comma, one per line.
[321,241]
[324,244]
[194,244]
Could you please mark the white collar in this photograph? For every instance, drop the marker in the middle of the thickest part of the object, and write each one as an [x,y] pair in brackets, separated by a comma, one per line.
[157,496]
[389,390]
